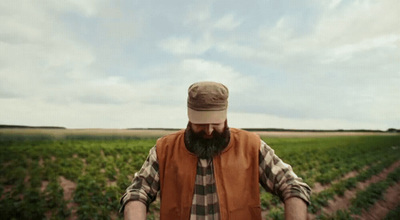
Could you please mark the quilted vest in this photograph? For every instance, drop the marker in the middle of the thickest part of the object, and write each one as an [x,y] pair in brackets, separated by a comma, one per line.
[236,176]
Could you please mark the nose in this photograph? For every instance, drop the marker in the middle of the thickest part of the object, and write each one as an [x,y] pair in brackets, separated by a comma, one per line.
[209,129]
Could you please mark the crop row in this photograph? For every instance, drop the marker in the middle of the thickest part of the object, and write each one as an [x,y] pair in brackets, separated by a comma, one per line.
[366,198]
[327,160]
[321,199]
[362,201]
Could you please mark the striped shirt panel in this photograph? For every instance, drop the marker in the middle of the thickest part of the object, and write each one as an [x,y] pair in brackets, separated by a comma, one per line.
[205,200]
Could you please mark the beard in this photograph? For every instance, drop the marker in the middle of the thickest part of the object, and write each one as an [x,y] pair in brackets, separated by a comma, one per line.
[206,148]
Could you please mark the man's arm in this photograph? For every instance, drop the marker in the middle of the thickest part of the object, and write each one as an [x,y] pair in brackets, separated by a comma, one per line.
[278,178]
[295,209]
[144,188]
[135,210]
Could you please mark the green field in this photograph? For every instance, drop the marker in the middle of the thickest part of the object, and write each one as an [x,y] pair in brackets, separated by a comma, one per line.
[83,176]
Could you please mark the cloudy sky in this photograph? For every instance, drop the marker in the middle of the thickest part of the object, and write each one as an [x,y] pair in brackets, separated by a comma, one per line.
[127,64]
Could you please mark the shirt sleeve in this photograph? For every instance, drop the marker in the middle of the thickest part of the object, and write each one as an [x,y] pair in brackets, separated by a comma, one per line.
[278,177]
[145,184]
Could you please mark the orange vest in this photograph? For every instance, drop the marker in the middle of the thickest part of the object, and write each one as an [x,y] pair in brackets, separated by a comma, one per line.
[236,176]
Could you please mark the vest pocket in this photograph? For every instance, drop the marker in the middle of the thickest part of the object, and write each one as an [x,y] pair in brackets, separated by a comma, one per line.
[253,213]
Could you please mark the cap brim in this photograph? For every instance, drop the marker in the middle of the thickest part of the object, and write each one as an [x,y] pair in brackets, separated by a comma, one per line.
[207,117]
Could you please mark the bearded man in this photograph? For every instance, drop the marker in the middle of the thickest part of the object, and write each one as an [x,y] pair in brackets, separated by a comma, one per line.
[210,171]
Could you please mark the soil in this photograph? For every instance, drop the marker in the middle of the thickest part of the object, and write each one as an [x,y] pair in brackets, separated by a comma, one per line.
[69,189]
[392,197]
[381,208]
[319,187]
[112,183]
[41,162]
[44,185]
[378,211]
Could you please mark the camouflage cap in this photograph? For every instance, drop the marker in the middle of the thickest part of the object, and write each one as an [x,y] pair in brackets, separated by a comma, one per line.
[207,102]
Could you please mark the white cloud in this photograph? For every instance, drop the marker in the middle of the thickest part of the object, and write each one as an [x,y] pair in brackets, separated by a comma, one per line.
[358,21]
[168,84]
[339,32]
[96,63]
[346,52]
[42,54]
[185,45]
[227,22]
[194,70]
[188,71]
[350,52]
[198,14]
[92,115]
[86,8]
[334,3]
[245,120]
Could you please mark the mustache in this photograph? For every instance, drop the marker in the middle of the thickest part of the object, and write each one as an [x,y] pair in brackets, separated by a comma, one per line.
[201,134]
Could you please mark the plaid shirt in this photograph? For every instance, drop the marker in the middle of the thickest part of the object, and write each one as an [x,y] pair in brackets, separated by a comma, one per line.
[276,177]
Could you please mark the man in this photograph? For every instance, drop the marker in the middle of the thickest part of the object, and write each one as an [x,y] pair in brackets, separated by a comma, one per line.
[211,171]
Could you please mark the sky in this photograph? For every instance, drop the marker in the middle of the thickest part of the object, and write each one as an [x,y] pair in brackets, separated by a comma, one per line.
[302,64]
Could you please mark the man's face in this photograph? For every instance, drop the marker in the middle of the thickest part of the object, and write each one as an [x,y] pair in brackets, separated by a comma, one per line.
[208,129]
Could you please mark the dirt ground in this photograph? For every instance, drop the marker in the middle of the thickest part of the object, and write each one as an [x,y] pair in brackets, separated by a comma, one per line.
[382,208]
[378,211]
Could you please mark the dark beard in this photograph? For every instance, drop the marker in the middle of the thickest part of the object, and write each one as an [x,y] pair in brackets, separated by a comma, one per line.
[206,148]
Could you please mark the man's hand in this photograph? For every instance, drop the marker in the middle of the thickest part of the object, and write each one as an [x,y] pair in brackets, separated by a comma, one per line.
[295,208]
[135,210]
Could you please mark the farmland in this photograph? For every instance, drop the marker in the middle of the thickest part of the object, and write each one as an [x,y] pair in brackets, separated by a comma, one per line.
[64,174]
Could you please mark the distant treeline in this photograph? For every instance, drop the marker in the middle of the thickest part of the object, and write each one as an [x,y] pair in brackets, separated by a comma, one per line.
[392,130]
[31,127]
[156,129]
[283,129]
[318,130]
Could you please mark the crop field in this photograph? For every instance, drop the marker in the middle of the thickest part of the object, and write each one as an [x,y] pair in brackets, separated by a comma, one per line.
[78,175]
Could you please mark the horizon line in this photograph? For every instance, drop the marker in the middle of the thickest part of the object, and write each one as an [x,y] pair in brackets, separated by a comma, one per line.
[5,126]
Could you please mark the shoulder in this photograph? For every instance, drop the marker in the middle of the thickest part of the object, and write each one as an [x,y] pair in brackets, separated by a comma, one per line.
[170,141]
[244,139]
[243,133]
[170,137]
